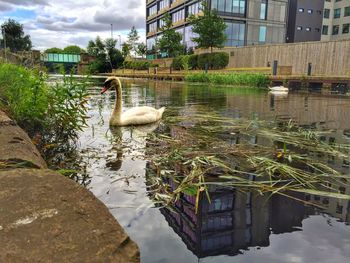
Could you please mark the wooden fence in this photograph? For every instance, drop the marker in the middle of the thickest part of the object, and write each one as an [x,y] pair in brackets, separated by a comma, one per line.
[331,58]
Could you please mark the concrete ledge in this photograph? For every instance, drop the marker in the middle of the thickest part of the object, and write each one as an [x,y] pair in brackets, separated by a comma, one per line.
[46,217]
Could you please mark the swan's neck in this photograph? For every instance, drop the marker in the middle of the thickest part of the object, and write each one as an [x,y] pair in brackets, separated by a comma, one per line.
[117,112]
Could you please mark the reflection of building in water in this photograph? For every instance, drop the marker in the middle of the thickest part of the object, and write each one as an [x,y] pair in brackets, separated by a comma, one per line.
[225,225]
[233,220]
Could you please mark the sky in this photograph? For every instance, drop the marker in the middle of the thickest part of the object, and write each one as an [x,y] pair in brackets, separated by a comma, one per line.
[74,22]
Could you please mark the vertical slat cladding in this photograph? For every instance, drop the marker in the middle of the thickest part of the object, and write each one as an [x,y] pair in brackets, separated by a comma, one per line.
[330,58]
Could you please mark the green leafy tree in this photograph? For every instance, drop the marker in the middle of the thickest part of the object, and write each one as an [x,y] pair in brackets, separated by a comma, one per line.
[73,49]
[114,56]
[170,41]
[107,56]
[126,48]
[15,38]
[141,49]
[209,27]
[133,38]
[54,50]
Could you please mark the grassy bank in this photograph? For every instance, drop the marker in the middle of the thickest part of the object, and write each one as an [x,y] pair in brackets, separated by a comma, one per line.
[240,79]
[52,114]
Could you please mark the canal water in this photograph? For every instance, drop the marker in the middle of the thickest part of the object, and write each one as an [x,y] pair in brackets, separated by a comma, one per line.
[234,226]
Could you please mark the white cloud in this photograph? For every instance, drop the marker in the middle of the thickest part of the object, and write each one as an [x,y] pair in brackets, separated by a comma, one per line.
[62,23]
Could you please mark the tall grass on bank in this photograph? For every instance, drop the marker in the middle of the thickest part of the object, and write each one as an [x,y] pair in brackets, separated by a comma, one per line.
[239,79]
[58,110]
[51,113]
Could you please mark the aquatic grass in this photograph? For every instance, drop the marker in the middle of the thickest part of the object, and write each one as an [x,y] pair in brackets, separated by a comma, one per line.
[239,79]
[215,150]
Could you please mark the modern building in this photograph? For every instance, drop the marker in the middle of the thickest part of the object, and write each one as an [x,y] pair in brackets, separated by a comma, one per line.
[304,20]
[249,22]
[336,20]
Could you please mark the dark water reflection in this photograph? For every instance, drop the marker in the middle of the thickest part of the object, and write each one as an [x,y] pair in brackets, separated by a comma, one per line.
[235,226]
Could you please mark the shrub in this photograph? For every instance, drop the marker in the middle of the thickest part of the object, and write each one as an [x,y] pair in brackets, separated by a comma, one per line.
[216,60]
[193,61]
[243,79]
[138,65]
[185,62]
[58,110]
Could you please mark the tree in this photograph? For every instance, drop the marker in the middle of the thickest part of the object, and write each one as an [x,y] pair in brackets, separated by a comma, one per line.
[73,49]
[107,56]
[114,56]
[133,38]
[209,27]
[142,49]
[15,38]
[126,48]
[170,41]
[54,50]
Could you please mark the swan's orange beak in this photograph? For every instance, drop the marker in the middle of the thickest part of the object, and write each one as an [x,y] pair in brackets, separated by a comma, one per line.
[104,90]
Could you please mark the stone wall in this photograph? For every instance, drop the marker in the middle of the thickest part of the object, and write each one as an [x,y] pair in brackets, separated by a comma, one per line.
[46,217]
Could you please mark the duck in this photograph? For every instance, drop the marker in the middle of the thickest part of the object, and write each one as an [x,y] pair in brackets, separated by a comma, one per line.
[134,116]
[279,88]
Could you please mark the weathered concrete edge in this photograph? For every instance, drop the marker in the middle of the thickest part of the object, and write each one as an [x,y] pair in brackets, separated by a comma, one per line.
[25,192]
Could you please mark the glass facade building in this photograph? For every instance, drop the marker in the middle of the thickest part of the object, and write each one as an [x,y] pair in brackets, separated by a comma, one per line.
[249,22]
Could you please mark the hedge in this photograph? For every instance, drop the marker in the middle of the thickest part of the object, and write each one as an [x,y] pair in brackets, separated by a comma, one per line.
[216,60]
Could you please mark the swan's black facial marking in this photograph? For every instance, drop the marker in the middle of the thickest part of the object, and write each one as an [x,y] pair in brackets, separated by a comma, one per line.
[107,85]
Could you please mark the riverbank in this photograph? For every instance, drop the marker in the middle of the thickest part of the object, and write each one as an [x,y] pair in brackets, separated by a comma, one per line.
[48,217]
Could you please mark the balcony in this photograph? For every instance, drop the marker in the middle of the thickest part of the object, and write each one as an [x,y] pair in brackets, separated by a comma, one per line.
[152,33]
[152,16]
[162,11]
[177,3]
[179,23]
[150,1]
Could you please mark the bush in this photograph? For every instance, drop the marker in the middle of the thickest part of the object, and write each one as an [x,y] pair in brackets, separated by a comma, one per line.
[55,111]
[138,65]
[185,62]
[216,60]
[242,79]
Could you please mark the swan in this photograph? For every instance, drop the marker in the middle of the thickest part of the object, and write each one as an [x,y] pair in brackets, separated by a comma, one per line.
[279,88]
[135,116]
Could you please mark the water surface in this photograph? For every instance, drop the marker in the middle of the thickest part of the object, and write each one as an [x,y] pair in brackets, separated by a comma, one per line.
[234,227]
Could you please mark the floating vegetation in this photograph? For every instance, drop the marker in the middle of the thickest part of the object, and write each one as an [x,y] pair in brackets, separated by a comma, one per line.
[269,157]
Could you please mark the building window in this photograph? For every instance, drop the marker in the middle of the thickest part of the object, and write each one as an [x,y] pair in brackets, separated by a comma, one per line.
[326,13]
[235,33]
[194,9]
[310,11]
[299,28]
[347,11]
[262,34]
[337,13]
[178,16]
[263,10]
[335,30]
[152,10]
[164,4]
[152,27]
[308,29]
[346,28]
[229,6]
[325,30]
[301,10]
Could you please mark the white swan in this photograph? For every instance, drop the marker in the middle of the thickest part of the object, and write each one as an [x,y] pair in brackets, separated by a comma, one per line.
[279,88]
[135,116]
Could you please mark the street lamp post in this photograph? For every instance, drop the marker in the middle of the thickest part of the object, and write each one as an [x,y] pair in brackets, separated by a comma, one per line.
[120,42]
[112,31]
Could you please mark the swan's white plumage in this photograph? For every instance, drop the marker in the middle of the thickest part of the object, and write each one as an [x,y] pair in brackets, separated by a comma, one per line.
[134,116]
[279,88]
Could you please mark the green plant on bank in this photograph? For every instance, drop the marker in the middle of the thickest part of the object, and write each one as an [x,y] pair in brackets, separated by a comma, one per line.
[216,60]
[287,161]
[241,79]
[51,113]
[139,65]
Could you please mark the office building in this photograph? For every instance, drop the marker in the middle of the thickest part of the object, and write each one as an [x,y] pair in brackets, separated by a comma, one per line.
[304,20]
[249,22]
[336,20]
